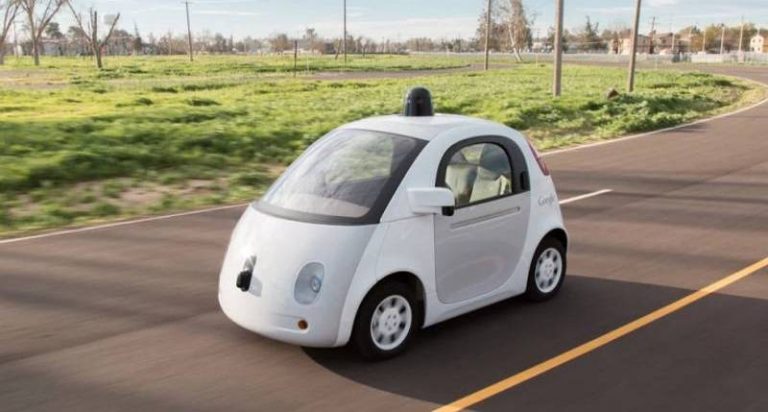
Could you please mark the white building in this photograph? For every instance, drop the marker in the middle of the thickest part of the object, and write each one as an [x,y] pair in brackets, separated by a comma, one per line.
[757,43]
[643,44]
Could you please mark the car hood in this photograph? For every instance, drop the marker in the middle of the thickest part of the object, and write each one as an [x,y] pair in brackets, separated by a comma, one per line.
[282,247]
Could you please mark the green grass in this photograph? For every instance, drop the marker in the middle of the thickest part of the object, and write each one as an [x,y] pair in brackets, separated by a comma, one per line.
[79,70]
[104,149]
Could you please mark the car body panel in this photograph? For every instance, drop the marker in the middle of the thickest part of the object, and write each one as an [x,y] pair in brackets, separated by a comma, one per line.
[476,249]
[357,257]
[282,247]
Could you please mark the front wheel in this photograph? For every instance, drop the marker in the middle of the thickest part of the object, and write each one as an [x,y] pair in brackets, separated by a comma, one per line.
[386,321]
[547,271]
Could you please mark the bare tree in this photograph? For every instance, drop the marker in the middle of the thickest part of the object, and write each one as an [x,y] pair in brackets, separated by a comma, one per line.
[518,25]
[91,32]
[37,22]
[280,43]
[8,8]
[310,39]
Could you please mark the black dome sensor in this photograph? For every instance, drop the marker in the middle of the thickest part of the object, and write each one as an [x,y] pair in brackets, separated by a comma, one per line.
[418,103]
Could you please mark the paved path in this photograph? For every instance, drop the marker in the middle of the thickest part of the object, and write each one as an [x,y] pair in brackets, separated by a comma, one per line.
[126,318]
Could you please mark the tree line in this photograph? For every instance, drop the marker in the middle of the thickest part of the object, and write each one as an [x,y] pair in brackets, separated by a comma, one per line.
[511,30]
[37,19]
[96,35]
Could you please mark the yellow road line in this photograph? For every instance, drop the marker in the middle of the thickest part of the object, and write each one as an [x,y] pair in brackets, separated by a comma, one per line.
[596,343]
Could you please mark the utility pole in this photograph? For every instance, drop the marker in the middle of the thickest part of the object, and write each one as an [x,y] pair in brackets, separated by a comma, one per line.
[633,54]
[651,47]
[487,35]
[674,38]
[189,33]
[15,40]
[690,40]
[722,38]
[295,57]
[168,41]
[344,42]
[741,35]
[556,86]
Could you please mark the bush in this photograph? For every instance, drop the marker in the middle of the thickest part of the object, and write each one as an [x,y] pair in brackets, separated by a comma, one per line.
[200,101]
[104,209]
[5,216]
[144,101]
[205,86]
[254,178]
[162,89]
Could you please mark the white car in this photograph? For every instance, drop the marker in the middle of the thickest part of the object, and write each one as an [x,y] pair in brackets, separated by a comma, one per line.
[391,224]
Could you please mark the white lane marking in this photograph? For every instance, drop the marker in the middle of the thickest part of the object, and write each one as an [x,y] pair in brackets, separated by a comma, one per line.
[117,224]
[549,153]
[586,196]
[197,212]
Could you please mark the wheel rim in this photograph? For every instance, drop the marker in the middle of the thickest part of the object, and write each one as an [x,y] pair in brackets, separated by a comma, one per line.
[549,270]
[391,322]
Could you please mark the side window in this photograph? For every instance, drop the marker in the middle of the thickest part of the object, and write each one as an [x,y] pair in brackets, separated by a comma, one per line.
[478,172]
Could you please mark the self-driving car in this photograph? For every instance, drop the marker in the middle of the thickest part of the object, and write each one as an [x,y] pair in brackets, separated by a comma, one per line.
[391,224]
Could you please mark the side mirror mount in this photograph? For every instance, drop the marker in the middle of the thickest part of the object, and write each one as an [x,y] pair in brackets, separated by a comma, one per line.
[434,200]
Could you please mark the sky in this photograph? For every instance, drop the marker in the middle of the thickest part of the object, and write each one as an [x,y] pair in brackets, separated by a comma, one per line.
[402,19]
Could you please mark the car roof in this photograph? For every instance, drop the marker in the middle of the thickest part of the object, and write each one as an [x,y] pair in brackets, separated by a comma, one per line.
[425,128]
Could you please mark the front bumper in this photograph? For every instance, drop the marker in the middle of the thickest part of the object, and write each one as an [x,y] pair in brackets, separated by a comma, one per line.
[275,250]
[279,319]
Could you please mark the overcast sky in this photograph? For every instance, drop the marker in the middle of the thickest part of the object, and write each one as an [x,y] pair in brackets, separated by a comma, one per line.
[405,18]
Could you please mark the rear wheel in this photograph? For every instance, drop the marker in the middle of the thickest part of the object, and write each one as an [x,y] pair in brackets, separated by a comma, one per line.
[386,321]
[547,271]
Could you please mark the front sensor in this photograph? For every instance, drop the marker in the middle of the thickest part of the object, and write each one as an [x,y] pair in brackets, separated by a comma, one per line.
[244,280]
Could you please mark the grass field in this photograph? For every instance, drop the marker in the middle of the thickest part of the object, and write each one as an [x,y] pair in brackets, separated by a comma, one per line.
[63,71]
[169,136]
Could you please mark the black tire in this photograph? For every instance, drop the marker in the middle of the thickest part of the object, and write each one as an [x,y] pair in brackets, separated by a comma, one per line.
[533,291]
[362,335]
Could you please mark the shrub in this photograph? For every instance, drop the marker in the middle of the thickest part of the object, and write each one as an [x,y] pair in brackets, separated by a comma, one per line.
[163,89]
[144,101]
[201,101]
[254,178]
[104,209]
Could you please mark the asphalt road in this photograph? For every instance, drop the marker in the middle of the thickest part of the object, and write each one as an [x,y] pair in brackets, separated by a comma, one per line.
[126,318]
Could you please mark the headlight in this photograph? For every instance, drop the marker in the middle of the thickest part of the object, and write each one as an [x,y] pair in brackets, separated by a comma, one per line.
[308,283]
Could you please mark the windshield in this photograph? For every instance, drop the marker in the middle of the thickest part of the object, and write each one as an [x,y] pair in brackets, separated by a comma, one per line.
[348,174]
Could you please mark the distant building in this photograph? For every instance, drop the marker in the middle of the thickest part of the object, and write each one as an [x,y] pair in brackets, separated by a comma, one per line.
[757,43]
[540,46]
[665,43]
[52,47]
[643,44]
[684,41]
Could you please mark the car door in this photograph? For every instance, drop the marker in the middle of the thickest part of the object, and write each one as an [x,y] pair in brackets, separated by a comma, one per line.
[479,242]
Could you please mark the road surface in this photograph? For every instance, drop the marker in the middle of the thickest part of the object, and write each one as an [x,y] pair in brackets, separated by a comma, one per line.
[126,318]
